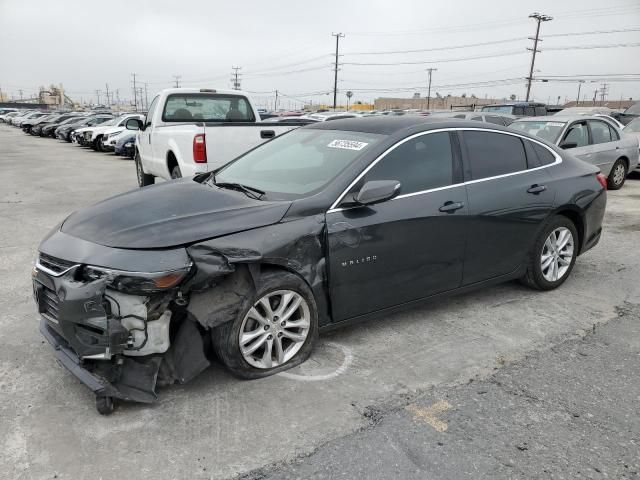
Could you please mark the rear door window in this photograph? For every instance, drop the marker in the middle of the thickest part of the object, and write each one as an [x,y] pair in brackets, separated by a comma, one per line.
[490,154]
[614,133]
[422,163]
[541,111]
[577,134]
[518,111]
[600,132]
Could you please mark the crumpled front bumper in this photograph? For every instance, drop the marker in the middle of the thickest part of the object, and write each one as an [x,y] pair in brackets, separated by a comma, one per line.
[97,383]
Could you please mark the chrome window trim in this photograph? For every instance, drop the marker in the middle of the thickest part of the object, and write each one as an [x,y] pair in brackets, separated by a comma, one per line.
[335,208]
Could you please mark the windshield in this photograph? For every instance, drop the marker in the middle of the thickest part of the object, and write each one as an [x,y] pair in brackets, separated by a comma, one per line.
[498,108]
[299,163]
[633,109]
[549,131]
[632,127]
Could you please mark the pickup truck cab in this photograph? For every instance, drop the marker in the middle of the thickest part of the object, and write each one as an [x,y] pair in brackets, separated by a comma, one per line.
[190,130]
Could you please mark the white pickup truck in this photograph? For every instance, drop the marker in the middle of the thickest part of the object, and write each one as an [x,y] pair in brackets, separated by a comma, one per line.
[189,131]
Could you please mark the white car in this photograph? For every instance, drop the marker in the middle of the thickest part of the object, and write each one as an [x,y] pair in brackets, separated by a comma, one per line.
[92,136]
[8,115]
[190,130]
[112,136]
[17,121]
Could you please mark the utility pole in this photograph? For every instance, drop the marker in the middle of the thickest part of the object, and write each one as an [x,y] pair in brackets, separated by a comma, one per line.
[539,18]
[135,93]
[603,92]
[275,104]
[146,97]
[235,80]
[430,71]
[20,94]
[177,80]
[335,78]
[580,82]
[98,96]
[118,98]
[107,90]
[595,95]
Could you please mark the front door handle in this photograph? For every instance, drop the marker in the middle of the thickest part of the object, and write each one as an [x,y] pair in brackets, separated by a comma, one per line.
[536,189]
[450,207]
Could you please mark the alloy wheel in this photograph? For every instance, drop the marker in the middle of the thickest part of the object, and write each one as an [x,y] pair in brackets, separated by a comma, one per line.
[557,254]
[274,329]
[618,174]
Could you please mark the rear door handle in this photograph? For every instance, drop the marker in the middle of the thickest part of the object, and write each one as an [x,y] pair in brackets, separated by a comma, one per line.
[450,207]
[535,189]
[267,134]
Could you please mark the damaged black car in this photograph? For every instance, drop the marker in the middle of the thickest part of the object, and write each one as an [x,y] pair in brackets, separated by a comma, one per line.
[327,224]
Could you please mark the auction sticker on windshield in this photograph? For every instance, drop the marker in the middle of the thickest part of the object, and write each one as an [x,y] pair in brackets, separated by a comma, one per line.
[347,144]
[555,124]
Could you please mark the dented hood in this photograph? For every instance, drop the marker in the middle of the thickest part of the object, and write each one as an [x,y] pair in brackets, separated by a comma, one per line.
[171,214]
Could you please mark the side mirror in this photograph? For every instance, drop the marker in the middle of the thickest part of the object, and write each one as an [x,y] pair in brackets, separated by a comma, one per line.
[566,145]
[134,124]
[377,191]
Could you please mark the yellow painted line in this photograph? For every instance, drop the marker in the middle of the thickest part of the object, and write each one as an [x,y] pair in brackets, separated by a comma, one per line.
[428,414]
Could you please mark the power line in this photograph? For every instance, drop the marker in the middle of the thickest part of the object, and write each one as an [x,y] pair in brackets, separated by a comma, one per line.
[176,79]
[443,60]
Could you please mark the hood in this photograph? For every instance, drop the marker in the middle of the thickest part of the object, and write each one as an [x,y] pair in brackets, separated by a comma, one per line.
[170,214]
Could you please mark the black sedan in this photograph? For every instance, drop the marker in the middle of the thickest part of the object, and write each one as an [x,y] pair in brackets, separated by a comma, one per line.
[330,223]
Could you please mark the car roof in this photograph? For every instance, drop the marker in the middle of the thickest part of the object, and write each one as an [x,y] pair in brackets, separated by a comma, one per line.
[386,125]
[559,118]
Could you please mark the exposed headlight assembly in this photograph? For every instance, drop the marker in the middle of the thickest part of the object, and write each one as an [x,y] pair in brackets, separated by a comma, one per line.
[137,282]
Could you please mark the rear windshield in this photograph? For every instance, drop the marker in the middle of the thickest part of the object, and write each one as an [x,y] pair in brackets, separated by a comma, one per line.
[632,127]
[498,108]
[200,107]
[299,163]
[547,130]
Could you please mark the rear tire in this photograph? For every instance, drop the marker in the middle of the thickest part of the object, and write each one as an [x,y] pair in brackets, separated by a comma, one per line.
[105,405]
[226,337]
[175,172]
[617,175]
[143,178]
[548,252]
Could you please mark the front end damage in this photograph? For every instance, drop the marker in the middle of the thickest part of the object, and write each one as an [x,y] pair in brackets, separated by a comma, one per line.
[120,344]
[124,333]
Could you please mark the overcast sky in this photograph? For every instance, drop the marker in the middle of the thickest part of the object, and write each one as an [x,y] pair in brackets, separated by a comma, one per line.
[287,45]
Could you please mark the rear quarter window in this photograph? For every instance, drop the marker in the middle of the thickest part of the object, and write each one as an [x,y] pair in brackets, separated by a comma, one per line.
[545,157]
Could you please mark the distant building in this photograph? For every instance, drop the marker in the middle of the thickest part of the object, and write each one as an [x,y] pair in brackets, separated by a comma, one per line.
[613,104]
[440,102]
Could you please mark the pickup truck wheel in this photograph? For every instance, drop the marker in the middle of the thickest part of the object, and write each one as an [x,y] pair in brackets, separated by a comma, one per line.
[618,175]
[275,330]
[143,178]
[175,172]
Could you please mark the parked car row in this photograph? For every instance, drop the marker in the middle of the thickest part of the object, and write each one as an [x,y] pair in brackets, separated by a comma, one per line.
[100,131]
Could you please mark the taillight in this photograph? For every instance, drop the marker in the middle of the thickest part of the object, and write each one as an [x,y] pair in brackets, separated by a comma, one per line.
[602,179]
[199,149]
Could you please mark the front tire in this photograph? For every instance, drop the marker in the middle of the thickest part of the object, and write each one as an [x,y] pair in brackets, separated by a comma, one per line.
[143,178]
[276,329]
[617,175]
[553,255]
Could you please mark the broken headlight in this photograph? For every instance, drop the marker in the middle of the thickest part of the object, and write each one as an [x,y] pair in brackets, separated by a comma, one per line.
[136,282]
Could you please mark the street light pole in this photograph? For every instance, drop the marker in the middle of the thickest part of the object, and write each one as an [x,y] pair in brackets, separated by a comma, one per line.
[539,18]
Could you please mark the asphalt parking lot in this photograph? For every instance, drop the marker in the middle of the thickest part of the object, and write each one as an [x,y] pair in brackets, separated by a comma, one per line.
[374,379]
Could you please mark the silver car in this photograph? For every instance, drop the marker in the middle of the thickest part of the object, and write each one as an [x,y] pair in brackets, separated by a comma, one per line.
[592,139]
[633,130]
